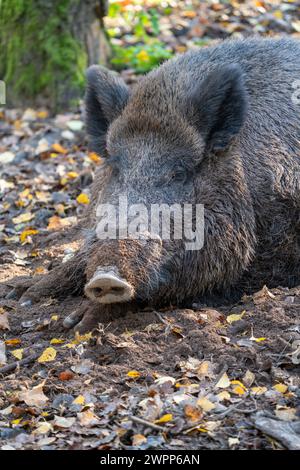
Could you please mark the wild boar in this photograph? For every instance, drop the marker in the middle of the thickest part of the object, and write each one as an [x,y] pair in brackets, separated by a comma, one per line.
[217,126]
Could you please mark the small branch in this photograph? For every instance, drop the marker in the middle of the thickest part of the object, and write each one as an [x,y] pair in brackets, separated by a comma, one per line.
[14,365]
[146,423]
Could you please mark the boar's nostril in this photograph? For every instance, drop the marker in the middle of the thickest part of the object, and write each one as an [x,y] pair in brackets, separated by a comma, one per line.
[107,287]
[97,291]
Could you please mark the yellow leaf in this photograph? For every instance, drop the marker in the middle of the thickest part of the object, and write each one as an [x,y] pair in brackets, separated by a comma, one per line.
[80,400]
[205,404]
[16,421]
[238,390]
[95,157]
[83,199]
[57,341]
[224,381]
[282,388]
[59,149]
[55,317]
[143,56]
[164,419]
[82,338]
[18,353]
[26,233]
[42,114]
[48,355]
[259,340]
[25,217]
[72,174]
[12,342]
[237,382]
[133,374]
[278,14]
[235,317]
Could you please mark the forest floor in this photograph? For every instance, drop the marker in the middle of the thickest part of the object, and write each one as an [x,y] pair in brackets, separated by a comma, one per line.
[197,378]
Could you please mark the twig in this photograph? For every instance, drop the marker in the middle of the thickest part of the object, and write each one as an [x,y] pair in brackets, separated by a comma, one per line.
[146,423]
[161,318]
[17,364]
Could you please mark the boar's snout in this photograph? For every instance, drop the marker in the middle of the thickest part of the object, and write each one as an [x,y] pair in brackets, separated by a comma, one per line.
[107,287]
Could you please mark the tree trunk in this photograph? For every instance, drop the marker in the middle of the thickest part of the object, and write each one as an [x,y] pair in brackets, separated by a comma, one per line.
[45,47]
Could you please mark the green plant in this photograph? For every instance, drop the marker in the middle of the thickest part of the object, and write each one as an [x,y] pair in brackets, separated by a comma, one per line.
[142,58]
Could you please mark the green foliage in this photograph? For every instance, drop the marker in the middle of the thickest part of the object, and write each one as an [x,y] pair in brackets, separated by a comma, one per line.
[38,53]
[146,52]
[142,58]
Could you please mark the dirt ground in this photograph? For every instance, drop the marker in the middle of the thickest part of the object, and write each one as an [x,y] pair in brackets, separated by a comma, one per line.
[198,378]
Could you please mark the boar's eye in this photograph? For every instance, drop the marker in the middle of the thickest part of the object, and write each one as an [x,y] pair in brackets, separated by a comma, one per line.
[179,175]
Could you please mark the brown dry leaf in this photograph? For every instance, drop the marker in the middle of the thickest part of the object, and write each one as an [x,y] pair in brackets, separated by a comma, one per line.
[25,217]
[43,428]
[193,413]
[262,295]
[248,378]
[205,404]
[88,418]
[224,381]
[285,413]
[58,223]
[34,396]
[4,325]
[259,390]
[61,422]
[138,439]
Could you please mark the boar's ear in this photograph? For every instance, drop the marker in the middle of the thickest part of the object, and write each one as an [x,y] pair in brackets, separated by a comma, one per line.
[106,95]
[220,104]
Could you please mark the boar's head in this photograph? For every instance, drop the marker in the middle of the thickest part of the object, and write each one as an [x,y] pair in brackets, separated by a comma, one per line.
[174,139]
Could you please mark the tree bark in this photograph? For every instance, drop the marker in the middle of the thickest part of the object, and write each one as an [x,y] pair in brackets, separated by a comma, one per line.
[45,48]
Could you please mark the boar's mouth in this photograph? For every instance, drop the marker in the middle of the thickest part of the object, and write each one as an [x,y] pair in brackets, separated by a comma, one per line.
[108,287]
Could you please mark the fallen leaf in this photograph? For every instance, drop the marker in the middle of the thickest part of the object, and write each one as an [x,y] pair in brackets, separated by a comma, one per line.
[3,358]
[88,418]
[66,375]
[133,374]
[48,355]
[259,390]
[34,396]
[83,199]
[59,149]
[25,217]
[286,414]
[164,419]
[205,404]
[224,381]
[235,317]
[282,388]
[18,353]
[4,325]
[61,422]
